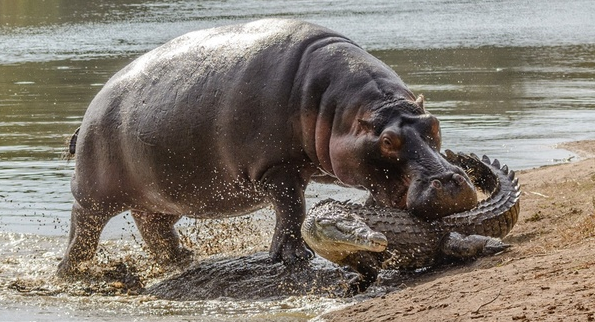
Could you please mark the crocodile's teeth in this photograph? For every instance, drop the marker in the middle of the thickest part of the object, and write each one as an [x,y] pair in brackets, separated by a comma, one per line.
[379,238]
[377,242]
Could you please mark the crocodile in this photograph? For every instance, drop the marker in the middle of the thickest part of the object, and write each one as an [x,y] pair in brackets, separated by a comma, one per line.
[369,238]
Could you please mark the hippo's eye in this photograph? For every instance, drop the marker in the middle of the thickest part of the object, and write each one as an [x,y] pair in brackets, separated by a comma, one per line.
[391,142]
[386,142]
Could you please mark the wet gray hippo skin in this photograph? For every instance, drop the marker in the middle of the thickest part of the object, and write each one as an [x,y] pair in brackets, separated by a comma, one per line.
[225,121]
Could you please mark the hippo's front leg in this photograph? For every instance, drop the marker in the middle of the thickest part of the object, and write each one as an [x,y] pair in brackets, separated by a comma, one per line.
[285,186]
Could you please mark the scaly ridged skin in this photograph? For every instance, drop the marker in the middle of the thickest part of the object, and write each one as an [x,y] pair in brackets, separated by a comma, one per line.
[494,216]
[416,243]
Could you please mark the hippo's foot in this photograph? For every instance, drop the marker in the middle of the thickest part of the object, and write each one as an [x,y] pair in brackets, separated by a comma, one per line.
[290,251]
[180,259]
[66,270]
[85,229]
[74,271]
[162,240]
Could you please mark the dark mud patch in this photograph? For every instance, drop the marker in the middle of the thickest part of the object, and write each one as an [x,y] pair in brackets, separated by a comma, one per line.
[253,277]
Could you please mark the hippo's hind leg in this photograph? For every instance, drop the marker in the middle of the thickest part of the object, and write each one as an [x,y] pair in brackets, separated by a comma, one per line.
[161,238]
[85,229]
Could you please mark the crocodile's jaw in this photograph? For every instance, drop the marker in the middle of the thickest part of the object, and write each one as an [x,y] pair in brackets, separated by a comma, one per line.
[336,251]
[337,236]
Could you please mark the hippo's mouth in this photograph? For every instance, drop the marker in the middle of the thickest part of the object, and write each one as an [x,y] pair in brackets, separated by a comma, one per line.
[399,199]
[395,197]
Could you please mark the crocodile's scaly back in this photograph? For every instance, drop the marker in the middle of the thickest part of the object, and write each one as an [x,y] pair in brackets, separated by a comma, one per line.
[410,239]
[494,216]
[414,242]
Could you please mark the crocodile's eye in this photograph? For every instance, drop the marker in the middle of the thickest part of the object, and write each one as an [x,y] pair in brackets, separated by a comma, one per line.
[324,222]
[344,227]
[360,231]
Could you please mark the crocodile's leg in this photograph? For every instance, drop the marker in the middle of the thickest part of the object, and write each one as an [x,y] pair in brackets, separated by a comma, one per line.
[463,247]
[366,264]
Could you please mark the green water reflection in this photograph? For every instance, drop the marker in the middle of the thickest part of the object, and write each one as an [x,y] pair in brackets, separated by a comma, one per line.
[34,13]
[42,102]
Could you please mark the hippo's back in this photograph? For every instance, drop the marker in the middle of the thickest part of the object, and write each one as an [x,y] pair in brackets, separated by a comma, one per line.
[211,59]
[201,76]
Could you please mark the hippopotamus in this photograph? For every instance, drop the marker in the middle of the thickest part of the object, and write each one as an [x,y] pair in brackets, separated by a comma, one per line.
[224,121]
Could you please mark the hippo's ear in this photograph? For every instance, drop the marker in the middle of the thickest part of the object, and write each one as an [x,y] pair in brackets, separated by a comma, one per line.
[365,126]
[420,101]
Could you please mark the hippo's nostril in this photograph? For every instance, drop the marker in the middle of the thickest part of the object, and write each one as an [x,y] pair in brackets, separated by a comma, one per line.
[436,184]
[459,179]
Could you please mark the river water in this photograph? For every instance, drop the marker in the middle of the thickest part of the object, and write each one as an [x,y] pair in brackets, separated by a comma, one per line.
[510,79]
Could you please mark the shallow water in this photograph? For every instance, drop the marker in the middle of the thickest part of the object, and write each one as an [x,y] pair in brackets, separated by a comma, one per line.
[509,79]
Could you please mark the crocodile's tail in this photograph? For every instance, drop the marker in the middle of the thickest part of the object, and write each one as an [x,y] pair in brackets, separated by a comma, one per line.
[496,215]
[69,154]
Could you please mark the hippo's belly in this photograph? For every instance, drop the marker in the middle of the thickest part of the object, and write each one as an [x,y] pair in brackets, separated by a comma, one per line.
[210,202]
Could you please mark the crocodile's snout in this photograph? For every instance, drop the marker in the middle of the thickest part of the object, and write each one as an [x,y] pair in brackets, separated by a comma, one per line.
[335,235]
[377,241]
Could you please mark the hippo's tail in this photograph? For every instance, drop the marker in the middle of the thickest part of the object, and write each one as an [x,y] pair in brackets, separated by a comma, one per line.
[69,154]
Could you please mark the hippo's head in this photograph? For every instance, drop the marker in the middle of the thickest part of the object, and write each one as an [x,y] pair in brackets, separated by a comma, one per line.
[393,151]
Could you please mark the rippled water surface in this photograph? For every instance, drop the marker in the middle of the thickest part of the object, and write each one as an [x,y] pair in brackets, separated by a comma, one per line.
[509,79]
